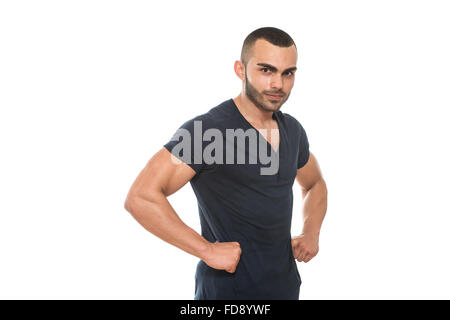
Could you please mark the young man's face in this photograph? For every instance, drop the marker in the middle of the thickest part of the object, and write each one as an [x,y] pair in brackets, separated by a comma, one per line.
[270,71]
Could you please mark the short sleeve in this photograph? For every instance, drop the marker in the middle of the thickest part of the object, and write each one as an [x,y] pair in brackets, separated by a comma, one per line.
[186,144]
[303,155]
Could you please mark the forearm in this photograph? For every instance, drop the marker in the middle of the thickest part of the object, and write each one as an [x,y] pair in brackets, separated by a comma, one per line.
[314,207]
[158,217]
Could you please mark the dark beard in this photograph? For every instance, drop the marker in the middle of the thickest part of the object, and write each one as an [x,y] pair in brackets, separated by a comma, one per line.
[258,99]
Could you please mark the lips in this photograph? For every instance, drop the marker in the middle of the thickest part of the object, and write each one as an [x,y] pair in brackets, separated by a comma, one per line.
[274,96]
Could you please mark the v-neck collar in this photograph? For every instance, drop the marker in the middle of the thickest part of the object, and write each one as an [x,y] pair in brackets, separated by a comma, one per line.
[274,116]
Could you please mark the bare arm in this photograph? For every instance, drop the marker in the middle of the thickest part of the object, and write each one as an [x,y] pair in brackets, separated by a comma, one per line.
[314,193]
[147,202]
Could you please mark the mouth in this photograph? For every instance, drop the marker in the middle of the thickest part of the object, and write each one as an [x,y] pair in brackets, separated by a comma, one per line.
[274,96]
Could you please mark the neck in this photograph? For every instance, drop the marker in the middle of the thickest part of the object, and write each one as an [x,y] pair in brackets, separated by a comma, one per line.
[251,112]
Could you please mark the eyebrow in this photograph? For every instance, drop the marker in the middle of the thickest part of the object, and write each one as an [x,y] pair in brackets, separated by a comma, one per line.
[272,68]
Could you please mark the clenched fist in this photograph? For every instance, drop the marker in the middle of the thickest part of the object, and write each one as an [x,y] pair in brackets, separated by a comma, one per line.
[305,247]
[223,256]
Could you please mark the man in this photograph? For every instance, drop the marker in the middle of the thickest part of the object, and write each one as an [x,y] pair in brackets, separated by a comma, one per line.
[245,248]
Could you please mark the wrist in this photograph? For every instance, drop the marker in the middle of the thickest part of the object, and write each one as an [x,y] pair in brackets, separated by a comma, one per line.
[310,232]
[311,228]
[205,251]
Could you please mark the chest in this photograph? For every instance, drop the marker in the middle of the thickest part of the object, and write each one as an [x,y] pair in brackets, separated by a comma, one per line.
[270,133]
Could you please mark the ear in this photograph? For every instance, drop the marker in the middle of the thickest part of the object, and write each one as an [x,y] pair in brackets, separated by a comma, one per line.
[239,69]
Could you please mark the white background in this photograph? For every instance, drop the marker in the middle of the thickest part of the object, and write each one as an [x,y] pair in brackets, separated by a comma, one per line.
[90,90]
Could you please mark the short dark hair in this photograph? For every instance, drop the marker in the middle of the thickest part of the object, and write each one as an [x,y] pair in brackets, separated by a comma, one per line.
[273,35]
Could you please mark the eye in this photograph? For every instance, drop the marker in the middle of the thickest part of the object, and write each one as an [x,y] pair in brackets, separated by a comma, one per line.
[291,73]
[267,69]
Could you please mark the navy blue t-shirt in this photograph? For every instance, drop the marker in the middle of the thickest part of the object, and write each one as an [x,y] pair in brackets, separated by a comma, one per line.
[238,203]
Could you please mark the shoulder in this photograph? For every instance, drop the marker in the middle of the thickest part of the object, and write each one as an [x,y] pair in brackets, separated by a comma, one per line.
[293,124]
[218,117]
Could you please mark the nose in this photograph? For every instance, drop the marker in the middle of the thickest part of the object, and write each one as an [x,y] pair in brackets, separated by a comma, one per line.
[276,82]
